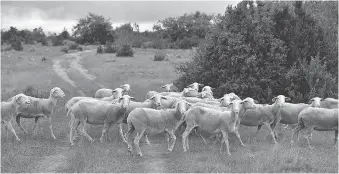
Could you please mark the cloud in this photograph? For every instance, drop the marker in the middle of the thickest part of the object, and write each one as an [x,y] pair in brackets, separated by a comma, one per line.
[54,16]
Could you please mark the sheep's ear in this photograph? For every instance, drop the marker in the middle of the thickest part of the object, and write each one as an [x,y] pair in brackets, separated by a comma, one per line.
[287,98]
[163,87]
[152,97]
[312,100]
[273,99]
[322,99]
[221,99]
[163,97]
[132,98]
[18,98]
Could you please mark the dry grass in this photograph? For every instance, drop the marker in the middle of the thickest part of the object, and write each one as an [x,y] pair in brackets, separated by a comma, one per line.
[144,75]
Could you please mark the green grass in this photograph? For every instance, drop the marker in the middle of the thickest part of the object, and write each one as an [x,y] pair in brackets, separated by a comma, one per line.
[143,74]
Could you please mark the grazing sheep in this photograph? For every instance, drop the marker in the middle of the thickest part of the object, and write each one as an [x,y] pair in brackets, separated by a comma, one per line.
[321,119]
[10,109]
[268,115]
[41,107]
[195,86]
[216,121]
[150,121]
[126,89]
[167,87]
[97,113]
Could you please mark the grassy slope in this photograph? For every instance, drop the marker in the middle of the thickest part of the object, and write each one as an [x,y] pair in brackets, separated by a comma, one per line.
[144,75]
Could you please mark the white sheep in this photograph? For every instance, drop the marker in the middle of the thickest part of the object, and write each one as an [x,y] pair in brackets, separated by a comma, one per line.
[10,109]
[208,89]
[187,92]
[195,86]
[206,94]
[126,88]
[97,113]
[150,121]
[216,121]
[313,123]
[104,92]
[167,87]
[41,107]
[268,115]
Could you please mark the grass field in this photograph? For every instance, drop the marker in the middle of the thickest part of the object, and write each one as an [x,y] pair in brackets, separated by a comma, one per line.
[40,153]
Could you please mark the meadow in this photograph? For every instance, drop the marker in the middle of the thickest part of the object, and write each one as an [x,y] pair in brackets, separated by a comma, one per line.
[40,153]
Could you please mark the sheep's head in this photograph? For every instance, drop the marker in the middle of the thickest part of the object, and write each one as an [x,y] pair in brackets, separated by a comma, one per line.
[156,99]
[249,103]
[117,92]
[316,102]
[167,87]
[126,87]
[22,99]
[125,100]
[182,106]
[207,88]
[280,100]
[195,86]
[228,98]
[235,108]
[57,92]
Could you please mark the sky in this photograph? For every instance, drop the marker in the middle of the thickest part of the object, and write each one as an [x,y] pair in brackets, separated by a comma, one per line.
[53,16]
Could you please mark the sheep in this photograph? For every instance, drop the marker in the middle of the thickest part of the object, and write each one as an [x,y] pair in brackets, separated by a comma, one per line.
[208,89]
[321,119]
[196,100]
[195,86]
[187,92]
[154,102]
[41,107]
[126,89]
[206,94]
[150,121]
[228,98]
[167,87]
[268,115]
[317,102]
[150,94]
[104,92]
[216,121]
[97,113]
[10,109]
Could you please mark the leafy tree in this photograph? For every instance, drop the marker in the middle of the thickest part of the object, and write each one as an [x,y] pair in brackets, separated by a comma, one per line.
[93,28]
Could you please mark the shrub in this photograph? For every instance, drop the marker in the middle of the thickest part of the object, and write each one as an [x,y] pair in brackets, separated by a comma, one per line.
[64,49]
[125,51]
[110,48]
[159,56]
[44,42]
[17,45]
[185,43]
[96,43]
[8,49]
[147,44]
[31,91]
[73,46]
[57,41]
[100,49]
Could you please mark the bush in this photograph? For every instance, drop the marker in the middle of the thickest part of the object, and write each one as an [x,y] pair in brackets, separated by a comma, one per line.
[147,44]
[159,56]
[31,91]
[73,46]
[57,41]
[64,49]
[96,43]
[44,42]
[185,43]
[125,51]
[110,48]
[17,45]
[100,49]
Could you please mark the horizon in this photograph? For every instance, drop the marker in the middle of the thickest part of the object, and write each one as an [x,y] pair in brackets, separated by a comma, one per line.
[53,17]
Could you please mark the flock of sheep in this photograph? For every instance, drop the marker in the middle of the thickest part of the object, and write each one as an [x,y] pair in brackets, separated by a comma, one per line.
[168,111]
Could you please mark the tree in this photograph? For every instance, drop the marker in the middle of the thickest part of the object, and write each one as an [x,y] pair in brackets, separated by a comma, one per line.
[93,28]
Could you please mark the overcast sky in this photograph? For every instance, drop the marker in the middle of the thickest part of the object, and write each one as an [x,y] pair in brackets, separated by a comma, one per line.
[54,16]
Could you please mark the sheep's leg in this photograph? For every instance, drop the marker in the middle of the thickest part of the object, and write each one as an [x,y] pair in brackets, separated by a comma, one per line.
[84,133]
[167,137]
[173,138]
[104,131]
[271,132]
[51,127]
[308,137]
[122,134]
[6,129]
[256,133]
[185,137]
[137,140]
[36,119]
[203,139]
[296,132]
[225,139]
[146,140]
[238,136]
[130,130]
[17,118]
[10,127]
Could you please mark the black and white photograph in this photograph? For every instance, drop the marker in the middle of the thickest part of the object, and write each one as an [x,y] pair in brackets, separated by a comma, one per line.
[159,86]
